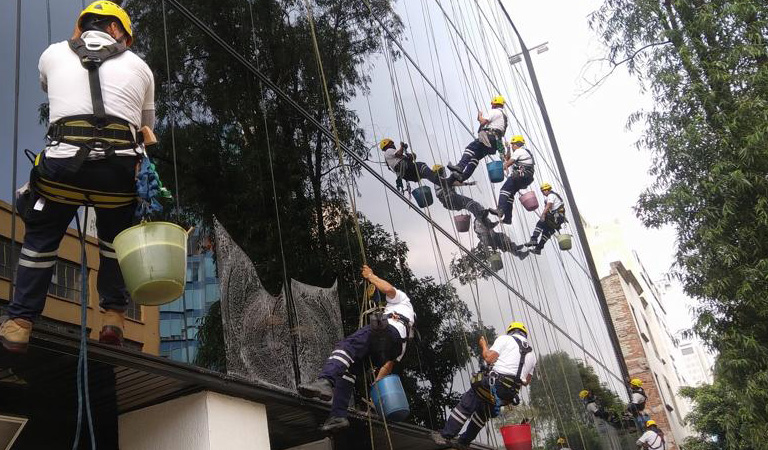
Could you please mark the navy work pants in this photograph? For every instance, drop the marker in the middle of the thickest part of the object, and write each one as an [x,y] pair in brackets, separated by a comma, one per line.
[474,152]
[454,201]
[518,180]
[347,362]
[546,228]
[416,171]
[473,409]
[47,221]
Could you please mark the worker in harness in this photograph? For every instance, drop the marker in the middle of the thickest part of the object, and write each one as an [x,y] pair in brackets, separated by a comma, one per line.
[561,444]
[520,159]
[405,165]
[100,95]
[451,200]
[383,340]
[551,219]
[593,406]
[490,140]
[653,438]
[511,364]
[637,399]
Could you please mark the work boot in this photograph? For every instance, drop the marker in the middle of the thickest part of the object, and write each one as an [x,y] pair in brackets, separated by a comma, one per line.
[333,424]
[536,250]
[531,243]
[495,212]
[14,335]
[439,439]
[112,328]
[453,168]
[320,388]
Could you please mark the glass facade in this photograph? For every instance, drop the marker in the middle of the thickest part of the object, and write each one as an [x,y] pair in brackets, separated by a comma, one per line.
[181,319]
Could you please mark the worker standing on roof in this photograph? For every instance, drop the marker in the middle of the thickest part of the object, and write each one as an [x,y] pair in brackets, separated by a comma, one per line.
[551,219]
[490,140]
[383,340]
[561,444]
[512,362]
[653,438]
[405,164]
[100,94]
[520,160]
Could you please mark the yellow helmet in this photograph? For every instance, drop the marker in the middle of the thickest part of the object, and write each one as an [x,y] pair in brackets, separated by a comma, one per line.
[106,8]
[561,440]
[385,143]
[650,423]
[517,326]
[498,100]
[546,187]
[637,382]
[517,139]
[583,394]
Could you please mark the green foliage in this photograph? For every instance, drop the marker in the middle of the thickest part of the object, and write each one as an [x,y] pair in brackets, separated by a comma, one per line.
[210,336]
[718,418]
[705,63]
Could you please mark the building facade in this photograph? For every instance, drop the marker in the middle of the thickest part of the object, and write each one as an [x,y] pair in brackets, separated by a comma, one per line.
[62,307]
[696,363]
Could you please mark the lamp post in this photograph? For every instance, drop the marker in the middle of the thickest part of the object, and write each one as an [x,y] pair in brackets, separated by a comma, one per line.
[569,194]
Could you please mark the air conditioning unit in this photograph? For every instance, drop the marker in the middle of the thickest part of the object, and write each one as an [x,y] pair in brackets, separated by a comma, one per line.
[10,429]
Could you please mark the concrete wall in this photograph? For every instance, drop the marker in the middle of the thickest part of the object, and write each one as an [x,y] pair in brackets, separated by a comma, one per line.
[202,421]
[648,360]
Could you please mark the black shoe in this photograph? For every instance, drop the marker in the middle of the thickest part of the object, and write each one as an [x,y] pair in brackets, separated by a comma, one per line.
[531,243]
[507,220]
[536,250]
[320,388]
[495,212]
[453,168]
[439,439]
[334,424]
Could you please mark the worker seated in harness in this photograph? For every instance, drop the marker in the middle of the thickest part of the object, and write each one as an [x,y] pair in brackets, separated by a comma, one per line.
[490,140]
[405,165]
[637,399]
[512,362]
[562,444]
[100,94]
[551,219]
[653,438]
[520,159]
[593,406]
[383,340]
[453,201]
[495,240]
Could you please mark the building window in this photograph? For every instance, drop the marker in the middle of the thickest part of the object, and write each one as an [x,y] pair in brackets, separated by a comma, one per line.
[133,311]
[687,351]
[7,260]
[66,281]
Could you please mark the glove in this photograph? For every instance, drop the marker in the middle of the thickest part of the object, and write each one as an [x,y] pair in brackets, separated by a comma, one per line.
[404,145]
[399,184]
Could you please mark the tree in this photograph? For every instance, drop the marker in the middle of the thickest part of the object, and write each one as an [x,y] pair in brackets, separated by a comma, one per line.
[705,63]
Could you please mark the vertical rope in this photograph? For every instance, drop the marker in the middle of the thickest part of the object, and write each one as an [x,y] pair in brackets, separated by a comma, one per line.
[14,176]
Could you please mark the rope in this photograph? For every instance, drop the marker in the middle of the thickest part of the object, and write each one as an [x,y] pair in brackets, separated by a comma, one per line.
[14,176]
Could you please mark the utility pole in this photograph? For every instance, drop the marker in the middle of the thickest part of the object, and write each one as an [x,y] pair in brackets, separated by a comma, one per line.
[571,200]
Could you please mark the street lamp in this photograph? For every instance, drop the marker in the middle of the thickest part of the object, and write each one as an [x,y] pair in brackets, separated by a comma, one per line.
[517,57]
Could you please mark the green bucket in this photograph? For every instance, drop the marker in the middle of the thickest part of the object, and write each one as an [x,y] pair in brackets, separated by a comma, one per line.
[564,241]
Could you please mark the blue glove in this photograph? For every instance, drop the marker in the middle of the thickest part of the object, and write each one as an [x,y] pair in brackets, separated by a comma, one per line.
[148,188]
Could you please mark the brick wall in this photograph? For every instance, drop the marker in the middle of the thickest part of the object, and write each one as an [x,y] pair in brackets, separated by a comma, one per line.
[614,287]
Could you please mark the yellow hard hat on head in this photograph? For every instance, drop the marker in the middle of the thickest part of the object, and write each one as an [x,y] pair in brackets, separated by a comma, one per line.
[561,440]
[385,143]
[583,394]
[546,187]
[517,326]
[498,100]
[650,423]
[517,139]
[637,382]
[107,8]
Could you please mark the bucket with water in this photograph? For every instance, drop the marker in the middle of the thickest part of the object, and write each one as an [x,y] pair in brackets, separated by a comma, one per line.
[529,201]
[389,398]
[423,196]
[462,222]
[517,437]
[495,171]
[153,260]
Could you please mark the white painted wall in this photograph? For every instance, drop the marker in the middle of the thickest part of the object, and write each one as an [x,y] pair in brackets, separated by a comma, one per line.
[202,421]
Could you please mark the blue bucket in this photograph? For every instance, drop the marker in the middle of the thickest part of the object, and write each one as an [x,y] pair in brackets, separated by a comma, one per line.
[423,196]
[389,398]
[496,171]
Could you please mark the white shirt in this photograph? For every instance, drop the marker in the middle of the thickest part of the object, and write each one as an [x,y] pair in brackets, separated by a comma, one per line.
[127,87]
[638,397]
[592,407]
[391,157]
[521,156]
[653,440]
[496,120]
[555,200]
[400,305]
[509,357]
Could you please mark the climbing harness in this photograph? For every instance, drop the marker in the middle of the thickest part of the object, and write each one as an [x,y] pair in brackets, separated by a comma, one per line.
[512,382]
[525,169]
